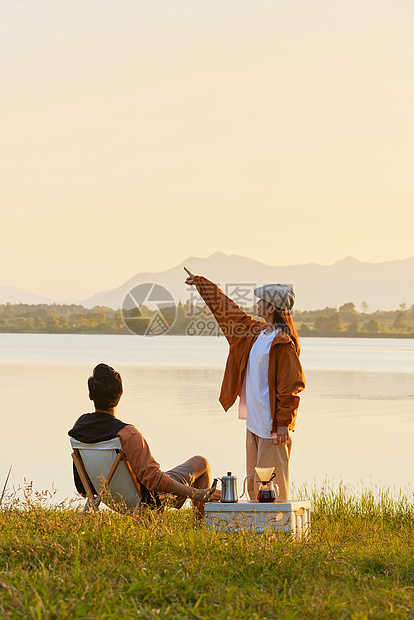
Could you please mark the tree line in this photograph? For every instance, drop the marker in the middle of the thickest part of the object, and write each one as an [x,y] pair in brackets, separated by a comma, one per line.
[60,318]
[347,321]
[75,319]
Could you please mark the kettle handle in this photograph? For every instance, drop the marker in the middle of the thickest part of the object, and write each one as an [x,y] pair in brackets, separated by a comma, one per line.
[244,486]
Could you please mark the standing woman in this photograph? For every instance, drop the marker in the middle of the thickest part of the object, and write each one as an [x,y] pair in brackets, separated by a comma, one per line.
[263,368]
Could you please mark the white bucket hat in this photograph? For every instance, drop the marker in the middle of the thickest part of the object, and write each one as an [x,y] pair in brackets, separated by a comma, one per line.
[280,295]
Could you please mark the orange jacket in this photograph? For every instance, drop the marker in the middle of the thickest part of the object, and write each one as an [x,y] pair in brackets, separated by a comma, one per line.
[143,464]
[286,378]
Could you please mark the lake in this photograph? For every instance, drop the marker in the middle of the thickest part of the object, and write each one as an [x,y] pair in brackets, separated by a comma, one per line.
[355,421]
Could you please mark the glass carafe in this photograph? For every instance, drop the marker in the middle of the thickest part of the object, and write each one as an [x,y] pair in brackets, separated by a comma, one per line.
[268,492]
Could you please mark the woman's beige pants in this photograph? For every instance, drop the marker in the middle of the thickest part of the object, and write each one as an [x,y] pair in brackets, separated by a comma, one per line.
[264,453]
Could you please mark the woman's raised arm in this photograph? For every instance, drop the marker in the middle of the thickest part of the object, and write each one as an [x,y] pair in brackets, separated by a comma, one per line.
[233,321]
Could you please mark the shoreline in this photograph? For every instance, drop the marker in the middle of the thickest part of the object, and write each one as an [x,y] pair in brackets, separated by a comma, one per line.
[382,335]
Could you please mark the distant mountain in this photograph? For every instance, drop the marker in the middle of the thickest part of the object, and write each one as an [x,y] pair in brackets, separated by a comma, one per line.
[9,294]
[380,285]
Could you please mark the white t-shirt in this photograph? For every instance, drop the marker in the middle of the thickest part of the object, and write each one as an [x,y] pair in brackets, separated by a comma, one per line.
[254,405]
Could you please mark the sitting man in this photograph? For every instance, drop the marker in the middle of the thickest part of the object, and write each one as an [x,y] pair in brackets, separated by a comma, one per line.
[190,479]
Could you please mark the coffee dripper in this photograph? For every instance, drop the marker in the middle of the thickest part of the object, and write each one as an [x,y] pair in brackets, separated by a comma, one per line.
[268,492]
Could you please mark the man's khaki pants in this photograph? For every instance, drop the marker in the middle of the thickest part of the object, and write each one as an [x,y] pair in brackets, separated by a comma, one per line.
[264,453]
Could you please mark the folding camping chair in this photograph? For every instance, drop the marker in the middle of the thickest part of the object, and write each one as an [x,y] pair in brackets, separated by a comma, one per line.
[104,466]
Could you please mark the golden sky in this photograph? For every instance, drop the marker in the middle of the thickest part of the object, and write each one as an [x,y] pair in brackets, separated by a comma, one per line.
[137,133]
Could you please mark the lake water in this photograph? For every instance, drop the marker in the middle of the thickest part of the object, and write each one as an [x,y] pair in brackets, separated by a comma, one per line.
[355,421]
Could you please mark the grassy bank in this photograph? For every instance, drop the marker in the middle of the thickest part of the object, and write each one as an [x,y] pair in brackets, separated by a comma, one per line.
[358,563]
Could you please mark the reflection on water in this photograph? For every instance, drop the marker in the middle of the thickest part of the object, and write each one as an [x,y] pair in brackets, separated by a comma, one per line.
[357,354]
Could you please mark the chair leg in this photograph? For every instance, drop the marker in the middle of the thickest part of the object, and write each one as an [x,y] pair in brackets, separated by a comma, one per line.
[90,502]
[106,481]
[132,475]
[136,509]
[105,484]
[90,505]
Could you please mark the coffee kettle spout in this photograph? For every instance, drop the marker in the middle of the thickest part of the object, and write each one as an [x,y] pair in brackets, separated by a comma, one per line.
[244,486]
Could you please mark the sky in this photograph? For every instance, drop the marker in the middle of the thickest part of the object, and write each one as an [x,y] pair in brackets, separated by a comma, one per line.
[135,134]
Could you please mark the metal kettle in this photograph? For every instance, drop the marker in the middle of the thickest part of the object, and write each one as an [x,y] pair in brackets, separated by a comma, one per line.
[229,488]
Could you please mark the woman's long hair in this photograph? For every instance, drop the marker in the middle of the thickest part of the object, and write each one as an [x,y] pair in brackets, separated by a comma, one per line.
[283,319]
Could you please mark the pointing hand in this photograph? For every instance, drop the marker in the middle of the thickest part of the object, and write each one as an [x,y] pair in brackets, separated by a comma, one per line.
[191,276]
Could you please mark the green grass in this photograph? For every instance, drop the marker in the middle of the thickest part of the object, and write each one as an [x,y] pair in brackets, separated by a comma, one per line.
[358,563]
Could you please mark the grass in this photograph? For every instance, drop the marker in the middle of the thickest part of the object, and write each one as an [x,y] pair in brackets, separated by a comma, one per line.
[3,492]
[358,563]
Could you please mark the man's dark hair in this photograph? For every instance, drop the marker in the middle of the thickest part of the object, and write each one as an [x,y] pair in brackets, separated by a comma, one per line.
[105,387]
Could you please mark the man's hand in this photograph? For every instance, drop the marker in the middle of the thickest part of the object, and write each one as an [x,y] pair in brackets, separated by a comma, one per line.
[216,496]
[281,436]
[190,280]
[207,495]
